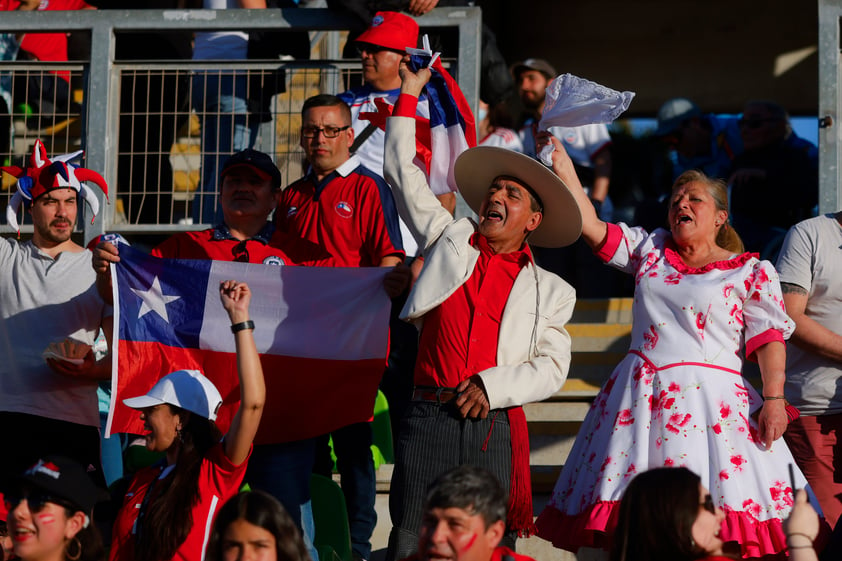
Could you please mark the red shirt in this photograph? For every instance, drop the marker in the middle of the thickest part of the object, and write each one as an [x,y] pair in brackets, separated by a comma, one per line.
[459,337]
[50,47]
[350,213]
[270,247]
[219,480]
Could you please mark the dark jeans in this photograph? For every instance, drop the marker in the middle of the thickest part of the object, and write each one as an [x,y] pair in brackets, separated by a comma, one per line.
[352,446]
[397,380]
[283,470]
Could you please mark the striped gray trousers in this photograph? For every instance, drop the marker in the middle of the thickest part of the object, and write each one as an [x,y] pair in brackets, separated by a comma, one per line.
[433,439]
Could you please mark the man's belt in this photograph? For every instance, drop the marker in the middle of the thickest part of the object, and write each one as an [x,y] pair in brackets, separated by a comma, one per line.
[434,394]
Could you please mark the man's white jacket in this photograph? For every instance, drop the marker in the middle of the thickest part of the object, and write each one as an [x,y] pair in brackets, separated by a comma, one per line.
[533,349]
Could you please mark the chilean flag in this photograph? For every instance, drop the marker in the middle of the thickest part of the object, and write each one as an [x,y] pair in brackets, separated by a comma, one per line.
[322,333]
[452,127]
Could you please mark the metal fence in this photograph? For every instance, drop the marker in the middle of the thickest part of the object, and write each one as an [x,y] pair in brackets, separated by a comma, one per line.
[141,122]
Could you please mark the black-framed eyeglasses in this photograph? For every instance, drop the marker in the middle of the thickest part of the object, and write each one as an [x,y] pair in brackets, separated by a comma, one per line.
[328,131]
[708,505]
[240,252]
[36,500]
[755,122]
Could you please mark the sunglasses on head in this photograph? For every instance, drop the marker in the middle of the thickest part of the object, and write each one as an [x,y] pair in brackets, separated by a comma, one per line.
[36,500]
[708,505]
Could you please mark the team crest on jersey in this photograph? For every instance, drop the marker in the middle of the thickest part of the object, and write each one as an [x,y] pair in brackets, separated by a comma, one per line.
[273,260]
[291,211]
[344,210]
[570,137]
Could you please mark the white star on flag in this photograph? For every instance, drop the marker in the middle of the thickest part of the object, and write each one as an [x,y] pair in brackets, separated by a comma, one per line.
[154,300]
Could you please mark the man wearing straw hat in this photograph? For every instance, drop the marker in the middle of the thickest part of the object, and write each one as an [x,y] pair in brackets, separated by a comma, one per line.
[492,323]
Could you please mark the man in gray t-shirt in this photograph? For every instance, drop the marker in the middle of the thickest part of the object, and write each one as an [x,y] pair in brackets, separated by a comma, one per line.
[49,302]
[810,268]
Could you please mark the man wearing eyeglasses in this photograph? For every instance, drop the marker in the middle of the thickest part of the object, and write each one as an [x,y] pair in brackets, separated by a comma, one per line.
[348,210]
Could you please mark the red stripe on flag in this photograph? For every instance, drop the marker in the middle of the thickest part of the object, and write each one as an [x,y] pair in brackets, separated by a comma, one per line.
[461,103]
[305,397]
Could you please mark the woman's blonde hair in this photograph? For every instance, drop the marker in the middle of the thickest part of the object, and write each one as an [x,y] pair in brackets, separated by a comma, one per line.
[726,236]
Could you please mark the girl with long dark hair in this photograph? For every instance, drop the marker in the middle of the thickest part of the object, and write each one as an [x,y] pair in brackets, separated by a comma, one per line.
[168,508]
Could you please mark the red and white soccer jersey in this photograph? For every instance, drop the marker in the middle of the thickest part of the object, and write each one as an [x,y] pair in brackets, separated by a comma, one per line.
[270,247]
[351,213]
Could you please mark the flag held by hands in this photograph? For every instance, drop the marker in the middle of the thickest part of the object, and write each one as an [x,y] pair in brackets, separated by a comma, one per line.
[452,126]
[322,333]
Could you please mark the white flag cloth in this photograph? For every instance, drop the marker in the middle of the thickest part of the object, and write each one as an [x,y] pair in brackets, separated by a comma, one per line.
[572,102]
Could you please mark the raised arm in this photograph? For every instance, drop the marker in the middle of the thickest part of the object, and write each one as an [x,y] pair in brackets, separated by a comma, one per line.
[236,297]
[594,230]
[417,205]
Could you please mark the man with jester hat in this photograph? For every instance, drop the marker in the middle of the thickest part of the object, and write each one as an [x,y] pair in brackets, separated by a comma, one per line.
[50,316]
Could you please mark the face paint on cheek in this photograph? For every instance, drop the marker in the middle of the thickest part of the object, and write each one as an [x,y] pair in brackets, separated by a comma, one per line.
[470,543]
[46,518]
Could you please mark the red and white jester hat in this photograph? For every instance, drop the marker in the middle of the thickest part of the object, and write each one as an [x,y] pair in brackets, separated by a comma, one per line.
[43,175]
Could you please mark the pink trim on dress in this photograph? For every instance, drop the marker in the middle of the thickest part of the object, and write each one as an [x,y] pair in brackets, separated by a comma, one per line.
[652,365]
[591,528]
[613,237]
[674,259]
[771,335]
[757,538]
[586,529]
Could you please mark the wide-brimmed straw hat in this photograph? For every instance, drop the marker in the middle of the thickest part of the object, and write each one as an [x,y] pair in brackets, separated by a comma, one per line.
[478,167]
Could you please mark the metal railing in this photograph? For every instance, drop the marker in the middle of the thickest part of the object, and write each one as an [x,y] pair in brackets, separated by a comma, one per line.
[135,121]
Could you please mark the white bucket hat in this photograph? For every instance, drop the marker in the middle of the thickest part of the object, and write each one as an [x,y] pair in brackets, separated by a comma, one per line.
[188,389]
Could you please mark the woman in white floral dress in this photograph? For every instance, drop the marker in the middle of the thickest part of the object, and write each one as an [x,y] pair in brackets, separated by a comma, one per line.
[678,397]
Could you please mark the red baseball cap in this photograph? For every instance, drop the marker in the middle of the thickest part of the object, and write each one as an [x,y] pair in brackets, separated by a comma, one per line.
[392,30]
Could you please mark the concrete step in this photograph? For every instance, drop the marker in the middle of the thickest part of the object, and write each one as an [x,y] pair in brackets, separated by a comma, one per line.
[604,310]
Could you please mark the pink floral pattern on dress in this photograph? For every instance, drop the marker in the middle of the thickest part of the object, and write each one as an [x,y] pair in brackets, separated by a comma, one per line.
[651,338]
[673,278]
[752,507]
[625,418]
[678,397]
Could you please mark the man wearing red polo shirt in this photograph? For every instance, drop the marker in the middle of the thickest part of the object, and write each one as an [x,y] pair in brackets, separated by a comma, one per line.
[349,211]
[492,323]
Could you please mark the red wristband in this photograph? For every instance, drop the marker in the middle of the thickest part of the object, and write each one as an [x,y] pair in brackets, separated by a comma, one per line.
[405,106]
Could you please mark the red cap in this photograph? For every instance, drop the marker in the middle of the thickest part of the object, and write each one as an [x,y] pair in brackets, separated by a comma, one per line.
[392,30]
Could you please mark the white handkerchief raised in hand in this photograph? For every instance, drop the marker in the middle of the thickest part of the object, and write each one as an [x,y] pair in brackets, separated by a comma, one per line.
[572,102]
